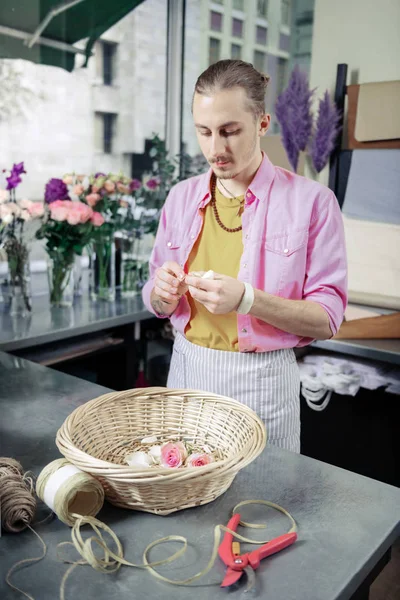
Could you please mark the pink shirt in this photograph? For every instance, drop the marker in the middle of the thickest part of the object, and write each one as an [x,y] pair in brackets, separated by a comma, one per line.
[293,247]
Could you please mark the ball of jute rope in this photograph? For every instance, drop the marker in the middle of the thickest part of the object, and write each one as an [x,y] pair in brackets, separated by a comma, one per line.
[17,501]
[81,494]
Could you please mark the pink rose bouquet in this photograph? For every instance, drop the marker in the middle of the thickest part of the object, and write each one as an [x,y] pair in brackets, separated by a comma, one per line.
[68,227]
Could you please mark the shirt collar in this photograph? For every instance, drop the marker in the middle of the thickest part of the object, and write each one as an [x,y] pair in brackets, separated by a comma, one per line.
[258,188]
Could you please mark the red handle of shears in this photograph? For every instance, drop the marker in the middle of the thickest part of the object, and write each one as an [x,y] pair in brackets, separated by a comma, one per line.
[225,548]
[275,545]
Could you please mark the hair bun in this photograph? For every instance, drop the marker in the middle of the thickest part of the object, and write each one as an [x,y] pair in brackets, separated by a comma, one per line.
[265,78]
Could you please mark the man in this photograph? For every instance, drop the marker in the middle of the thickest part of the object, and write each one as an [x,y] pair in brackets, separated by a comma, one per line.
[274,242]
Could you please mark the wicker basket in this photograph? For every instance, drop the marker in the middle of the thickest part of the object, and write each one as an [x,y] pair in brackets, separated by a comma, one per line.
[98,435]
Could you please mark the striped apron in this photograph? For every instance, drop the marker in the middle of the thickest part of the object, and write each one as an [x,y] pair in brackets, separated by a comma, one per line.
[267,382]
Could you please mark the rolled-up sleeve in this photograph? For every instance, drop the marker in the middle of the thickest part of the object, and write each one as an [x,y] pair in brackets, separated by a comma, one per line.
[326,273]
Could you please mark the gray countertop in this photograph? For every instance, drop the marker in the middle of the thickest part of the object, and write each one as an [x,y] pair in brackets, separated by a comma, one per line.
[46,324]
[346,521]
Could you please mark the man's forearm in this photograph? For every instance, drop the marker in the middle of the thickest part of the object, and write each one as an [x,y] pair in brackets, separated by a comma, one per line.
[162,307]
[299,317]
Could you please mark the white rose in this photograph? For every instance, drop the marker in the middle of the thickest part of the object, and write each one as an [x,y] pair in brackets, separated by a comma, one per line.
[155,453]
[7,219]
[139,459]
[149,440]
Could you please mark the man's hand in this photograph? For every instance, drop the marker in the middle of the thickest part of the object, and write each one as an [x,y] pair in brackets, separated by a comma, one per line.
[220,295]
[169,287]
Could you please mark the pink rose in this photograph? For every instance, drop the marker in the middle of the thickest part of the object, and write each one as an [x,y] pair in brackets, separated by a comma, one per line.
[109,186]
[197,459]
[59,213]
[68,180]
[25,204]
[36,209]
[3,196]
[77,190]
[25,215]
[97,219]
[122,188]
[95,189]
[86,212]
[74,217]
[173,455]
[92,199]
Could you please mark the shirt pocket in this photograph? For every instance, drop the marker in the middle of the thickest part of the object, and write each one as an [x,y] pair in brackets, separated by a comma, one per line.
[286,259]
[173,245]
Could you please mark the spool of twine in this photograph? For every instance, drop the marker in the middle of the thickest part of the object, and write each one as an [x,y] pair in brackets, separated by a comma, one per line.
[69,492]
[17,501]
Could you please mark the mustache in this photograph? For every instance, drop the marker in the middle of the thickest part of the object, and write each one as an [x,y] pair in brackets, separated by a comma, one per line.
[220,159]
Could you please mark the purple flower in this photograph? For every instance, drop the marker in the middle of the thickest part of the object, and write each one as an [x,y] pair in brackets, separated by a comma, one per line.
[293,111]
[99,175]
[135,184]
[14,179]
[152,184]
[56,190]
[326,132]
[18,169]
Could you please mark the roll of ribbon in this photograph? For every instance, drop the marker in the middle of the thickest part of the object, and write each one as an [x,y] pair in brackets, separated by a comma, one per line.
[69,492]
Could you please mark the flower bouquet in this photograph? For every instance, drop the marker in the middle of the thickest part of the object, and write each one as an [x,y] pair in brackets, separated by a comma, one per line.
[14,215]
[170,455]
[107,194]
[68,227]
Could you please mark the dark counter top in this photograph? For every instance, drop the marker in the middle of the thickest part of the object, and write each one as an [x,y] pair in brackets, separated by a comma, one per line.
[346,522]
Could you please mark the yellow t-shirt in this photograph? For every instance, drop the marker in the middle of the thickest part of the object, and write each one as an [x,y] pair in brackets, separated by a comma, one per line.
[220,251]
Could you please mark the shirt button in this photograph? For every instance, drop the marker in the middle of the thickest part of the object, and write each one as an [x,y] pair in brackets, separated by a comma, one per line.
[245,265]
[169,244]
[244,330]
[286,250]
[192,236]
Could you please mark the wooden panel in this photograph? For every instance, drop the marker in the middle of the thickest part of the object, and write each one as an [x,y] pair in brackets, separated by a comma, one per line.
[352,96]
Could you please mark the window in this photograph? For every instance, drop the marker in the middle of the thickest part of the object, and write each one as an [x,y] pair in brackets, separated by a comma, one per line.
[109,51]
[237,28]
[281,76]
[285,12]
[262,8]
[236,51]
[105,132]
[214,51]
[238,4]
[284,42]
[259,60]
[215,21]
[261,35]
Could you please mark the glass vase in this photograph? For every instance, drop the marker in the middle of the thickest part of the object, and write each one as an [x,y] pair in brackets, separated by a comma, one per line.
[102,276]
[130,265]
[61,282]
[19,280]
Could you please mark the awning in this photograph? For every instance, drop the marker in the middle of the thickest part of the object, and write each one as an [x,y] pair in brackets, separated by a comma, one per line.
[44,31]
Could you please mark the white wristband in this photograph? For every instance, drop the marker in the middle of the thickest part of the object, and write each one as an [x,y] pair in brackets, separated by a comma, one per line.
[247,300]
